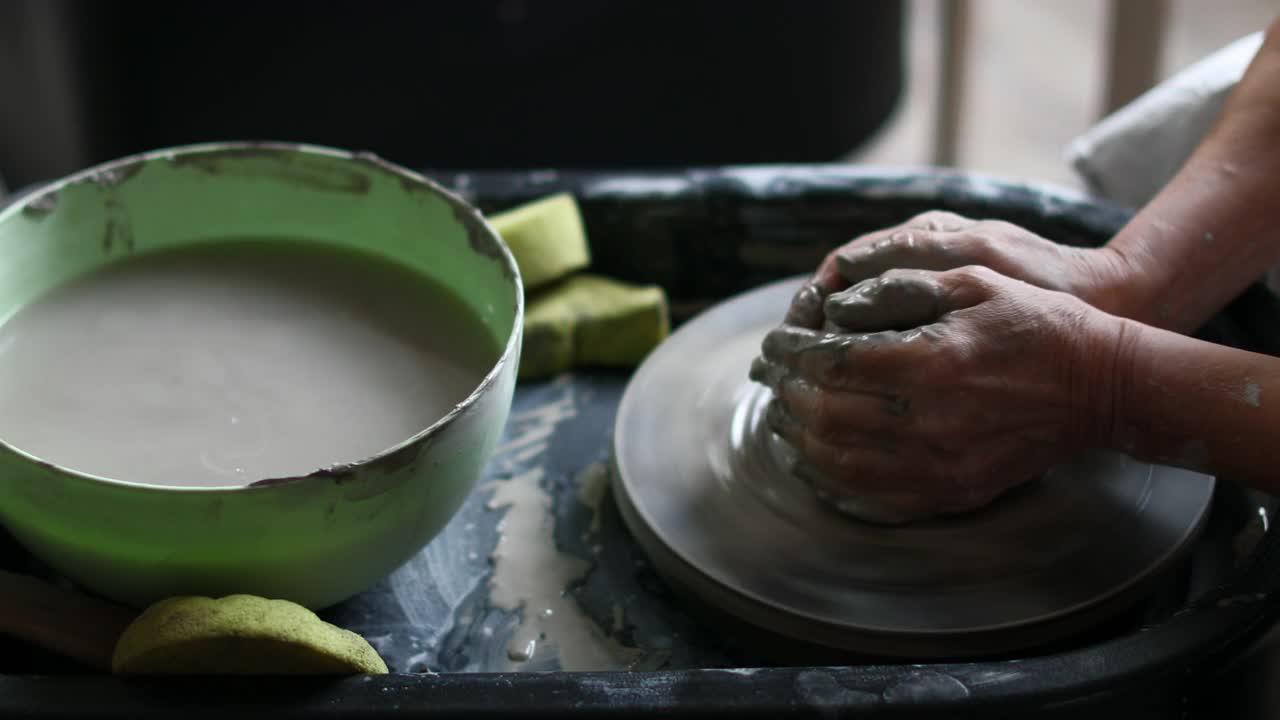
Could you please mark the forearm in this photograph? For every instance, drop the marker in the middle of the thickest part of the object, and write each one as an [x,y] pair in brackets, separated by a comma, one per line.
[1185,402]
[1215,227]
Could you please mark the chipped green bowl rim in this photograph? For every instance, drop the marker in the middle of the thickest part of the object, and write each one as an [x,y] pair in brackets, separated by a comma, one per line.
[120,170]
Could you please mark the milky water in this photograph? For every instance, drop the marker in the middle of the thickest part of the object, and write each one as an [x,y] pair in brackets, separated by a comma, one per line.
[233,362]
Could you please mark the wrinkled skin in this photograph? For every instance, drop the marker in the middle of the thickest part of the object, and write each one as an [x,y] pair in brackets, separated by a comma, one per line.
[915,392]
[940,240]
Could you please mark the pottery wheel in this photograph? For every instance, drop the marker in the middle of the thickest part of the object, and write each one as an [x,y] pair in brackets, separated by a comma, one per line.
[700,483]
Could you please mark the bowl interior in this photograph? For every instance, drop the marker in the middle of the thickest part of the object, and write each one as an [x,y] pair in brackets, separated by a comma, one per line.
[207,194]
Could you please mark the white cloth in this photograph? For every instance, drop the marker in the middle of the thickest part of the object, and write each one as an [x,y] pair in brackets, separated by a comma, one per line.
[1132,153]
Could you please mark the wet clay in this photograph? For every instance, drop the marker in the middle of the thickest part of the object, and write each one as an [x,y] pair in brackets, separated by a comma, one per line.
[235,361]
[531,575]
[902,302]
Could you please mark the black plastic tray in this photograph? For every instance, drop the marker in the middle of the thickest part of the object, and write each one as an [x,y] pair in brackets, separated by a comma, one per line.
[704,235]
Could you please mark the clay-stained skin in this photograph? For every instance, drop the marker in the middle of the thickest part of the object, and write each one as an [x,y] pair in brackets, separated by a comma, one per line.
[933,392]
[806,306]
[833,348]
[825,355]
[941,241]
[1252,394]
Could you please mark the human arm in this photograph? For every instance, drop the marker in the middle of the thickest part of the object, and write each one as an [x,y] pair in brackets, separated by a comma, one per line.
[1181,401]
[1215,227]
[1209,233]
[935,392]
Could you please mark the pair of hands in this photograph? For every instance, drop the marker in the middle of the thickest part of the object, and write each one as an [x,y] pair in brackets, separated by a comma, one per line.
[927,368]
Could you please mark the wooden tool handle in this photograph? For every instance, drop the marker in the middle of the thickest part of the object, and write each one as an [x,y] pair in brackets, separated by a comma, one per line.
[61,620]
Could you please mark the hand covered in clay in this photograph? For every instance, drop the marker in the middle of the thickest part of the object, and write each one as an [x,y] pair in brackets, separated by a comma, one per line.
[944,241]
[934,392]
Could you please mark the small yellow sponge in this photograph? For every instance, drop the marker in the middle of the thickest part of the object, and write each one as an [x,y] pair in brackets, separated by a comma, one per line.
[591,321]
[546,237]
[239,634]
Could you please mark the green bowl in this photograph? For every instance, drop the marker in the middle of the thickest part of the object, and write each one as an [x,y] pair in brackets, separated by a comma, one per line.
[316,539]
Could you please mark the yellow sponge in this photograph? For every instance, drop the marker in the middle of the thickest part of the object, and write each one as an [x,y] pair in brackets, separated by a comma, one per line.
[547,238]
[591,321]
[239,634]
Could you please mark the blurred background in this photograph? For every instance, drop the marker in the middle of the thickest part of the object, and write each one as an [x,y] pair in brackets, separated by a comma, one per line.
[999,86]
[1037,74]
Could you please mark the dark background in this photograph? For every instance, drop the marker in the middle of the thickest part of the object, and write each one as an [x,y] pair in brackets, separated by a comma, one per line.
[464,84]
